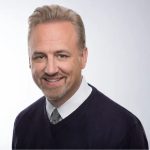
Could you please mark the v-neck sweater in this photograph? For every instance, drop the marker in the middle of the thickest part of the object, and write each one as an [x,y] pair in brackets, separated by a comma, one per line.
[98,123]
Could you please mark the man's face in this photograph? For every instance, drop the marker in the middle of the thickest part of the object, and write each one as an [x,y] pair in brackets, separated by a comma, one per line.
[55,60]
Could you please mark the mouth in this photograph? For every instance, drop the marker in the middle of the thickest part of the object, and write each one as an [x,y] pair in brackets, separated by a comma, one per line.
[51,81]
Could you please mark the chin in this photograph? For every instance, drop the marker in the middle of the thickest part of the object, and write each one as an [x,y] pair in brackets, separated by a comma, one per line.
[55,95]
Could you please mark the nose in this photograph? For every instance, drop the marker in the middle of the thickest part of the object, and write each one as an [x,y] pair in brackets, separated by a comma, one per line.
[51,67]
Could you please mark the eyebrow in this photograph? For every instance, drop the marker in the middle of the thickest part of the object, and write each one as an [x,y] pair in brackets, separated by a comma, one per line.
[63,51]
[39,52]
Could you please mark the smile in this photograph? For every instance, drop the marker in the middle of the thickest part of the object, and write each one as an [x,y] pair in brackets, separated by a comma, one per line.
[53,81]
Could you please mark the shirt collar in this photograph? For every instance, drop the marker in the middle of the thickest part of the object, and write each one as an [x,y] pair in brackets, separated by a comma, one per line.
[73,103]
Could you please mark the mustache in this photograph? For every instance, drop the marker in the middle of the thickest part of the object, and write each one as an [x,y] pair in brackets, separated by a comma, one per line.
[52,76]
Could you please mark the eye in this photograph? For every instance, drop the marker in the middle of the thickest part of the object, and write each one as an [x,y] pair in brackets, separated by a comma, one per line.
[62,56]
[38,57]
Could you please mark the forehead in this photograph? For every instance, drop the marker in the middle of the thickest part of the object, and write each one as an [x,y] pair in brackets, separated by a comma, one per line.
[53,30]
[55,35]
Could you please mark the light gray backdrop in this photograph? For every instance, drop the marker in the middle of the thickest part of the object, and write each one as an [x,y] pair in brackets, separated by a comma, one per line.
[118,39]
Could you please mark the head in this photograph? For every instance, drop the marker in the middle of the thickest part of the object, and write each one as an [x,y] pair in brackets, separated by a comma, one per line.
[57,51]
[59,13]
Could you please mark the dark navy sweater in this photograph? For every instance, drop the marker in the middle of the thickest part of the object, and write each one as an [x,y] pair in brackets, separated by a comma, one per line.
[99,123]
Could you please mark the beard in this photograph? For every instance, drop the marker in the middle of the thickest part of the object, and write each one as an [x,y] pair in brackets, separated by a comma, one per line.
[55,94]
[52,92]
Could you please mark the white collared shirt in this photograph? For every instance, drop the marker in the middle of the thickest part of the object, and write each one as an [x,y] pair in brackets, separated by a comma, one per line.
[73,103]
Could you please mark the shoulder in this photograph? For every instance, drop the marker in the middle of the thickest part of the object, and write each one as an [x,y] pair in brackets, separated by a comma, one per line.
[30,112]
[110,111]
[115,121]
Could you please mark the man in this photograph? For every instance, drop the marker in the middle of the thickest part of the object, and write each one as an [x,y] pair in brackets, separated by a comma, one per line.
[72,114]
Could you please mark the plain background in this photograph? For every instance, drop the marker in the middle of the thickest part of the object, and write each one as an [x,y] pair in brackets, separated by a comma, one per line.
[118,39]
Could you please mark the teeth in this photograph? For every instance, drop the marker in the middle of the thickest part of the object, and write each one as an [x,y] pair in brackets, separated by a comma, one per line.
[52,80]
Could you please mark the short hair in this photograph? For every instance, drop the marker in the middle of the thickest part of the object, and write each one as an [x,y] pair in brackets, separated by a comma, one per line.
[50,13]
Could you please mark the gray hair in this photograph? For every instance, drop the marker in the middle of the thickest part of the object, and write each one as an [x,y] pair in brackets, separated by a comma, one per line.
[51,13]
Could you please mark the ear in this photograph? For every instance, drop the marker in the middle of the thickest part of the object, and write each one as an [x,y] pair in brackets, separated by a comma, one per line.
[29,63]
[29,57]
[84,55]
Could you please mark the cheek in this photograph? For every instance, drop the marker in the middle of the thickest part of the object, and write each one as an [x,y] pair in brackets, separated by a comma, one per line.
[36,69]
[73,68]
[65,68]
[70,66]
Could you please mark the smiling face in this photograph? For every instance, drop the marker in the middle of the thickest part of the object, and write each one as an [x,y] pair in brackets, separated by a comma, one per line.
[56,61]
